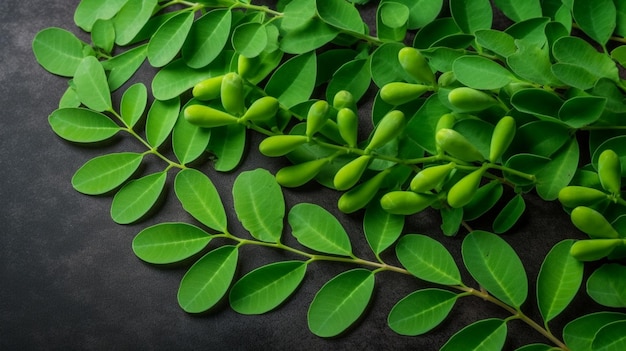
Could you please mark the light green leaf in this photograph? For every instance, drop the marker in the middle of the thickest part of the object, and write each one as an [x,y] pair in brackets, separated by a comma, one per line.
[580,111]
[519,10]
[481,73]
[131,18]
[82,125]
[134,103]
[484,335]
[353,76]
[294,81]
[610,337]
[250,39]
[200,198]
[168,39]
[421,12]
[189,141]
[91,85]
[227,144]
[559,279]
[510,214]
[265,288]
[317,229]
[207,281]
[427,259]
[105,173]
[124,65]
[161,119]
[421,311]
[176,78]
[392,21]
[207,37]
[340,14]
[579,333]
[259,204]
[166,243]
[89,11]
[557,173]
[496,267]
[137,197]
[69,99]
[596,18]
[103,35]
[381,228]
[313,34]
[472,15]
[340,302]
[607,285]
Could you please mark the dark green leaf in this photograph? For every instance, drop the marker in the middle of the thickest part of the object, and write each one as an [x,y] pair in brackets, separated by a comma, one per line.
[91,85]
[451,219]
[391,21]
[617,144]
[580,111]
[207,37]
[133,104]
[434,32]
[499,42]
[161,119]
[558,173]
[579,333]
[496,267]
[481,73]
[576,51]
[137,197]
[484,335]
[421,311]
[574,75]
[485,198]
[537,102]
[531,31]
[207,281]
[200,198]
[353,76]
[381,228]
[340,14]
[317,229]
[165,243]
[265,288]
[105,173]
[227,144]
[472,15]
[167,41]
[519,10]
[294,81]
[427,259]
[535,347]
[384,65]
[131,18]
[509,215]
[124,65]
[421,128]
[607,285]
[610,337]
[314,34]
[340,302]
[82,125]
[542,138]
[596,18]
[532,62]
[328,63]
[259,204]
[526,163]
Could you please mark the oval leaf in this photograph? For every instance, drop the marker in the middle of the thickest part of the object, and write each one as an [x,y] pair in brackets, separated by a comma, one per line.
[82,125]
[484,335]
[496,267]
[161,119]
[510,214]
[206,282]
[250,39]
[294,81]
[200,198]
[421,311]
[227,144]
[481,73]
[124,65]
[259,204]
[611,337]
[472,15]
[340,14]
[558,173]
[92,86]
[607,285]
[176,78]
[137,197]
[579,333]
[169,242]
[89,11]
[427,259]
[381,228]
[596,18]
[207,38]
[189,141]
[105,173]
[340,302]
[131,18]
[266,287]
[353,76]
[134,103]
[519,10]
[317,229]
[58,51]
[167,41]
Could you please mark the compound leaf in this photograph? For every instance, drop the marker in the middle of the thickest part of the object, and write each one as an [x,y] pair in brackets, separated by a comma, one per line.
[161,119]
[207,37]
[481,73]
[124,65]
[227,144]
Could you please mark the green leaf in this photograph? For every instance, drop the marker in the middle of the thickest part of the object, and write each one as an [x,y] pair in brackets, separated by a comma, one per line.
[510,214]
[317,229]
[189,141]
[340,302]
[619,54]
[531,31]
[69,99]
[559,279]
[89,11]
[200,198]
[421,128]
[384,65]
[131,18]
[105,173]
[610,337]
[161,119]
[497,41]
[620,7]
[265,288]
[421,311]
[207,281]
[578,52]
[596,18]
[353,76]
[421,12]
[542,138]
[53,47]
[574,75]
[294,81]
[616,144]
[435,32]
[580,111]
[558,173]
[391,21]
[314,34]
[340,14]
[227,143]
[82,125]
[579,333]
[607,285]
[527,163]
[532,62]
[427,259]
[328,62]
[381,228]
[297,14]
[484,200]
[137,197]
[472,15]
[166,243]
[103,35]
[481,73]
[519,10]
[496,267]
[250,39]
[535,347]
[451,220]
[133,103]
[168,40]
[207,38]
[259,204]
[176,78]
[124,65]
[484,335]
[537,102]
[91,85]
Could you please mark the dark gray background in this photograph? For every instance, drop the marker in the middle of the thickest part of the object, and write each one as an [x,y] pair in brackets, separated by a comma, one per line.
[70,281]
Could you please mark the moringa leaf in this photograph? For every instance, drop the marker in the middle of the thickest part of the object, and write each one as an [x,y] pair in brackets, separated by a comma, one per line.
[579,333]
[82,125]
[558,173]
[509,215]
[485,335]
[133,104]
[124,66]
[340,14]
[137,197]
[293,82]
[427,259]
[381,228]
[471,15]
[161,119]
[317,229]
[610,337]
[168,39]
[481,73]
[421,311]
[596,18]
[200,198]
[354,76]
[250,39]
[228,144]
[189,141]
[421,12]
[207,38]
[166,243]
[105,173]
[607,285]
[91,85]
[88,12]
[131,18]
[519,10]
